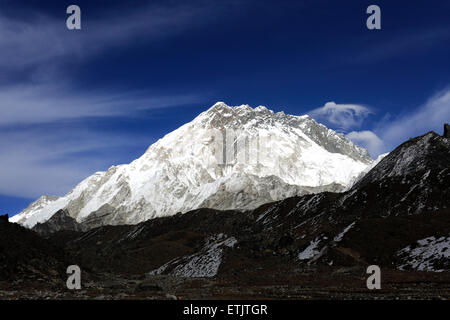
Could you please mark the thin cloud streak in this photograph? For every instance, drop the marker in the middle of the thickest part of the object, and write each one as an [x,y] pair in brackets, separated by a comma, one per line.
[43,39]
[46,103]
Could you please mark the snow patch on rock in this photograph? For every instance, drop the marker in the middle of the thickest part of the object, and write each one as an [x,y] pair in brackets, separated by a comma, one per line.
[310,251]
[427,253]
[205,263]
[340,236]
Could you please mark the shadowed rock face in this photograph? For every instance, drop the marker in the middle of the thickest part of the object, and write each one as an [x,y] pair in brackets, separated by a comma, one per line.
[25,256]
[61,220]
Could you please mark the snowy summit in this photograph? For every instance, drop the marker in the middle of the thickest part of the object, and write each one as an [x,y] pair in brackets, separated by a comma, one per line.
[226,158]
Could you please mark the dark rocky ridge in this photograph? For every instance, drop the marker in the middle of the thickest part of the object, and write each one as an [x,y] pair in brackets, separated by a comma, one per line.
[61,220]
[25,256]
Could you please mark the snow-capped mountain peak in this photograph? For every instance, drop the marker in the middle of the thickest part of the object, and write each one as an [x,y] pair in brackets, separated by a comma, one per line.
[226,158]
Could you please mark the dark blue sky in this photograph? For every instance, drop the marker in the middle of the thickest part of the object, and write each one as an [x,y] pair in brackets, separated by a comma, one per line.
[75,102]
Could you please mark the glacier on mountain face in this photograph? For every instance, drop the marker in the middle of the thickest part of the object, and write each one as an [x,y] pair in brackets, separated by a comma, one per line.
[226,158]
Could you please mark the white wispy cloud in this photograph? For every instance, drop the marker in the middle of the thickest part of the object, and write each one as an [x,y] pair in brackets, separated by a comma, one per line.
[392,131]
[49,102]
[341,116]
[430,116]
[44,42]
[368,140]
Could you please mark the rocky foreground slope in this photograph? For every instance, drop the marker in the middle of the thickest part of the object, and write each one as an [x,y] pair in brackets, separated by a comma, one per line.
[312,246]
[397,216]
[25,256]
[404,199]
